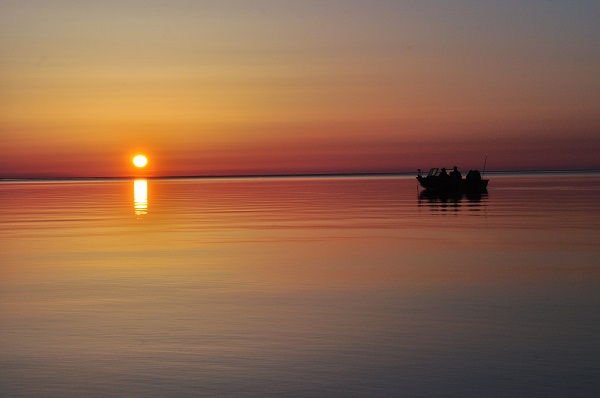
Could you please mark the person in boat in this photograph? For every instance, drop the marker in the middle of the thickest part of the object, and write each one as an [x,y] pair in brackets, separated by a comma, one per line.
[455,174]
[443,175]
[473,176]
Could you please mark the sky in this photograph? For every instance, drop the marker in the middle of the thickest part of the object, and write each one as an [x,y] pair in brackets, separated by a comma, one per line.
[293,87]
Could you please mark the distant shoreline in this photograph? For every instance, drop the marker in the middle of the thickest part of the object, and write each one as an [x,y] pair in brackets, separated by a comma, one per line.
[306,175]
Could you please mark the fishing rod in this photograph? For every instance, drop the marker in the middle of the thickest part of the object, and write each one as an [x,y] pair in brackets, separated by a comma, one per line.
[484,163]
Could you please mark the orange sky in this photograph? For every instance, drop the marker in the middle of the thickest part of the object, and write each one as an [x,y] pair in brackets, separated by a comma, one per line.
[247,87]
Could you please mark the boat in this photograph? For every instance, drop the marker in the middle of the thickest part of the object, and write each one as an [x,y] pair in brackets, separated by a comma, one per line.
[435,181]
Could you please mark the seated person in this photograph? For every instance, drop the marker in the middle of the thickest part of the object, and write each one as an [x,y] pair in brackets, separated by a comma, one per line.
[443,175]
[455,174]
[473,176]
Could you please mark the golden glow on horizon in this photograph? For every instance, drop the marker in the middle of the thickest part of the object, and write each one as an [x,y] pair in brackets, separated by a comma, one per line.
[140,161]
[140,197]
[298,88]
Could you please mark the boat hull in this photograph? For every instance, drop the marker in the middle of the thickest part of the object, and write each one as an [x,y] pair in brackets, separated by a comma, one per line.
[434,183]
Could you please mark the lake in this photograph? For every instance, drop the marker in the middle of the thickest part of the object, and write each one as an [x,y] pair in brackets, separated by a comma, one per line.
[307,287]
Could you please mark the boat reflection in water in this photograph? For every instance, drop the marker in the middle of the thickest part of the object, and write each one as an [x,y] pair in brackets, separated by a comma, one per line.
[455,201]
[140,197]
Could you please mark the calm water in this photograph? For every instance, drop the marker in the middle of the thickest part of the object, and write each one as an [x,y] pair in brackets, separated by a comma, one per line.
[331,287]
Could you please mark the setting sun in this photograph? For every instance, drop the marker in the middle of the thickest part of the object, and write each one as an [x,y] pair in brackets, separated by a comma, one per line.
[140,161]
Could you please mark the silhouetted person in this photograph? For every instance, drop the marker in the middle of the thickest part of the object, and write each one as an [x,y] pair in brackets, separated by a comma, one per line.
[455,174]
[443,175]
[473,176]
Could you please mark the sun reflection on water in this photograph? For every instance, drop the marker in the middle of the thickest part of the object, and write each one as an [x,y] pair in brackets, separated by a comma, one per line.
[140,197]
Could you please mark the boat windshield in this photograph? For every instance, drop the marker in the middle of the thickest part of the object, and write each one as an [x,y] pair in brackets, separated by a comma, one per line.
[432,172]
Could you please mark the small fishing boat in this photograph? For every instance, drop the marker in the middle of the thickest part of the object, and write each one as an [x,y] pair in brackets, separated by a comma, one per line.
[435,181]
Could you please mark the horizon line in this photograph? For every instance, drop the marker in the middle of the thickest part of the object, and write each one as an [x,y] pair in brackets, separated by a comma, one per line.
[283,175]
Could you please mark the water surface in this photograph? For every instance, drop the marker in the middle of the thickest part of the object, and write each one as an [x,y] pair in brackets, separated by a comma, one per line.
[299,287]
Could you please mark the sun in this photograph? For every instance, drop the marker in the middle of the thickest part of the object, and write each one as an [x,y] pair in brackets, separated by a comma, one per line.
[140,161]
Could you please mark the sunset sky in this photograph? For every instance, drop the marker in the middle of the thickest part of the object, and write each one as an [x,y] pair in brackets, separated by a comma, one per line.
[278,87]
